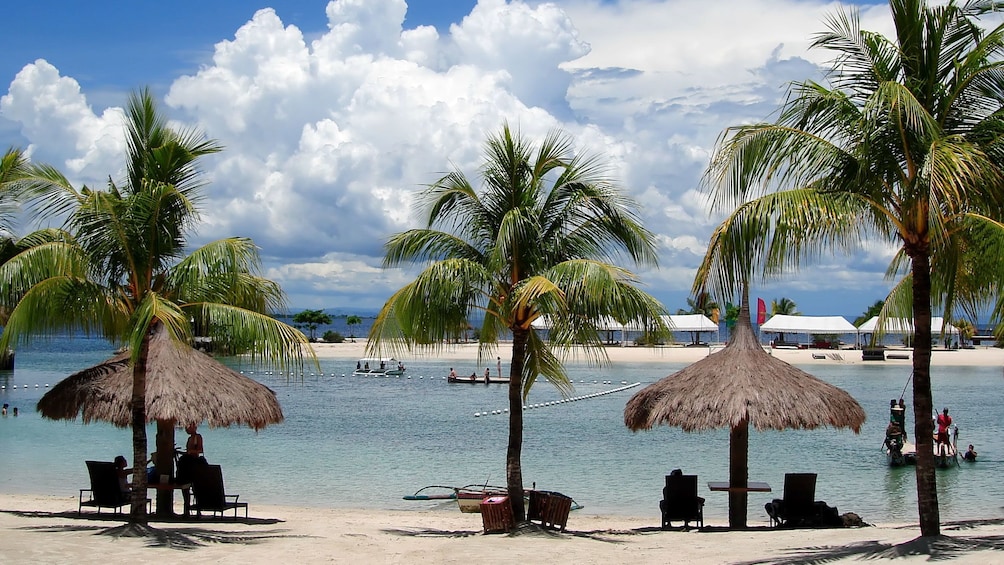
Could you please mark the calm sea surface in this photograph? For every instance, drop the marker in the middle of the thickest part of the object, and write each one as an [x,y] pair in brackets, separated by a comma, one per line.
[365,442]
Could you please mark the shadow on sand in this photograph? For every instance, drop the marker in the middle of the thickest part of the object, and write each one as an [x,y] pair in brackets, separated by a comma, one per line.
[170,534]
[936,548]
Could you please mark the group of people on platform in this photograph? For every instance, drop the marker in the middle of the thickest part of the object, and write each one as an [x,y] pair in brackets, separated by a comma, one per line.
[895,435]
[474,375]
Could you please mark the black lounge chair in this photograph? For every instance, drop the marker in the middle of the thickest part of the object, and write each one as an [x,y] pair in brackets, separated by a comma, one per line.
[798,507]
[105,491]
[680,502]
[207,486]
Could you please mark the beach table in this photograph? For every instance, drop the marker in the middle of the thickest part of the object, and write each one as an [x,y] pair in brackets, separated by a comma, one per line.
[750,486]
[165,507]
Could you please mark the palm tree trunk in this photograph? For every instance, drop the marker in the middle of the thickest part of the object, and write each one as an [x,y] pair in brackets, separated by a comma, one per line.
[137,513]
[927,485]
[513,467]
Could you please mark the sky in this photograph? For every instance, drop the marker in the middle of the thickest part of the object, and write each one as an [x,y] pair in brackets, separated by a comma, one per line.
[335,115]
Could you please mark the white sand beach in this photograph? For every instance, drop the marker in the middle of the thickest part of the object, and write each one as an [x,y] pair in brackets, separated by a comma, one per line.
[981,356]
[39,529]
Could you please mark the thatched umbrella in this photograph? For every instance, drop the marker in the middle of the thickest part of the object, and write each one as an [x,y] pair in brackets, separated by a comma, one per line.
[739,386]
[183,386]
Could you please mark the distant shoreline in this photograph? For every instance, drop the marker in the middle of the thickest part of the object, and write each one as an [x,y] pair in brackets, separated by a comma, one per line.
[980,357]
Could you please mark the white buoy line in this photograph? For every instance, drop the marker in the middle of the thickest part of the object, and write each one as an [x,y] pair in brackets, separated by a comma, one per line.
[15,387]
[556,402]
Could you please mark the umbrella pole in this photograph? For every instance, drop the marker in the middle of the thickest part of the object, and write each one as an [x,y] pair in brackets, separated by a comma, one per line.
[738,474]
[165,465]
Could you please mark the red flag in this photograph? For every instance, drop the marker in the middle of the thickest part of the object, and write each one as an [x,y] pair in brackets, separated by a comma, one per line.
[761,311]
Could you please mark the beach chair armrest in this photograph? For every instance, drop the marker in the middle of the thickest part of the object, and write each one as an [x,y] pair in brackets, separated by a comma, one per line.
[233,496]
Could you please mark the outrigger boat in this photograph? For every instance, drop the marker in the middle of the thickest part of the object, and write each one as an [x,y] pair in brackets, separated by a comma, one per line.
[474,379]
[378,367]
[901,452]
[468,497]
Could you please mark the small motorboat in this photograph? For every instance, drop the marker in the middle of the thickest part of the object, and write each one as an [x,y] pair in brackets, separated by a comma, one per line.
[378,367]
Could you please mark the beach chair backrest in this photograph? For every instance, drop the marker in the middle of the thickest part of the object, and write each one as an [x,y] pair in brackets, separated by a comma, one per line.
[105,488]
[208,486]
[680,494]
[799,491]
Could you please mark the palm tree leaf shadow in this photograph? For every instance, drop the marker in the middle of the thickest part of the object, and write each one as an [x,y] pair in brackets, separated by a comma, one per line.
[525,529]
[181,538]
[430,533]
[172,538]
[937,548]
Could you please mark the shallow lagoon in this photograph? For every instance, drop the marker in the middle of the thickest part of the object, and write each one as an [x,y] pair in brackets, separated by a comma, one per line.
[366,442]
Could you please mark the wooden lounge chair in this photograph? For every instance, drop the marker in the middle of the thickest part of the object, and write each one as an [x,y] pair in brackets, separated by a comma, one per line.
[105,491]
[550,508]
[680,502]
[798,507]
[210,495]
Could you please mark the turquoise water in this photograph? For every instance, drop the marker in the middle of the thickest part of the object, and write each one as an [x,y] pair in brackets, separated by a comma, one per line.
[366,442]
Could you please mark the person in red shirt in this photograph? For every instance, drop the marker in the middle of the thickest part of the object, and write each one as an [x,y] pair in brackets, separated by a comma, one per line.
[944,422]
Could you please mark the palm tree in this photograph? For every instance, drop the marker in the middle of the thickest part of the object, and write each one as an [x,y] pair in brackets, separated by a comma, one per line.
[784,307]
[535,244]
[966,330]
[870,312]
[311,319]
[353,321]
[119,268]
[903,145]
[14,166]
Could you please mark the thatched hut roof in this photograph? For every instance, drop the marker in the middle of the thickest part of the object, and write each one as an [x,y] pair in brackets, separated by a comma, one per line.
[182,385]
[742,382]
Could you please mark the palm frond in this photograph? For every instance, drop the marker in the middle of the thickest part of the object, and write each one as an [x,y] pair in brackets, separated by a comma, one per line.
[62,305]
[262,339]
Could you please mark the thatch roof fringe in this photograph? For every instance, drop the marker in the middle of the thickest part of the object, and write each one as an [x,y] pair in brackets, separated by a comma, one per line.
[182,385]
[742,382]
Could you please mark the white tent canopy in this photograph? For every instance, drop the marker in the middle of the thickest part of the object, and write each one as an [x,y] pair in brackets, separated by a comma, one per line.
[808,325]
[690,323]
[676,323]
[905,326]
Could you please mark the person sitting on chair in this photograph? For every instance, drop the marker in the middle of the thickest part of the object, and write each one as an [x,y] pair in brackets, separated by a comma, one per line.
[970,454]
[121,468]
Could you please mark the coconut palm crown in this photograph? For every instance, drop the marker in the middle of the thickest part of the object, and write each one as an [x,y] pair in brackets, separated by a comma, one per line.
[537,242]
[903,146]
[119,266]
